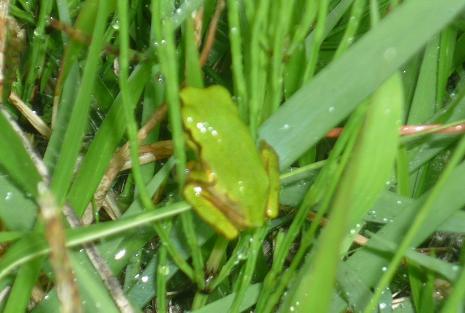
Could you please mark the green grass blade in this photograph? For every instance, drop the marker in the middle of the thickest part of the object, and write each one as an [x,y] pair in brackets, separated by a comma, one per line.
[21,219]
[223,304]
[32,246]
[106,140]
[25,280]
[74,133]
[14,158]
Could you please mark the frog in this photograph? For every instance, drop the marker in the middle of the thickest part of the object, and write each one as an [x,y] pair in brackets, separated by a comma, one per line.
[233,184]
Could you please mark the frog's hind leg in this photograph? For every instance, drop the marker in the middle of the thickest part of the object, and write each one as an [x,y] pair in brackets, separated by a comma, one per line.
[271,163]
[196,196]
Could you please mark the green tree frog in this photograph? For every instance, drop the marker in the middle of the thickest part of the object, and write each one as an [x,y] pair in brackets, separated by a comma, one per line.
[232,184]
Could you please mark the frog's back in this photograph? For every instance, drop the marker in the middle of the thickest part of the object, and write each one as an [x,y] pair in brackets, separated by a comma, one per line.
[213,117]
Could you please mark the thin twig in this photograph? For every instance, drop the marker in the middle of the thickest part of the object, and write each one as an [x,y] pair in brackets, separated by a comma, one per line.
[78,36]
[119,161]
[211,34]
[413,130]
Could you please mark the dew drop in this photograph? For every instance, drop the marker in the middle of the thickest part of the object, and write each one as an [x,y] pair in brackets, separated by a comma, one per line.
[241,256]
[8,195]
[164,270]
[120,254]
[285,127]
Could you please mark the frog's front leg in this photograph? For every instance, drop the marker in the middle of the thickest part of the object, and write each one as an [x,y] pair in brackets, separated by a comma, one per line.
[271,163]
[197,192]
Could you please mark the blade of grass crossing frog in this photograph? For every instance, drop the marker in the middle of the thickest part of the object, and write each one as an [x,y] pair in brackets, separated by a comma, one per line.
[193,71]
[318,106]
[362,183]
[164,33]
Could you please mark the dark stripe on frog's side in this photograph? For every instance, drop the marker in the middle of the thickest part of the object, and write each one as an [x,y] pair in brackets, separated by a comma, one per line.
[229,209]
[222,202]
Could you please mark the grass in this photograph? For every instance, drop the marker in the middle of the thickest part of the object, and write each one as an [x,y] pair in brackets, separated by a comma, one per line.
[369,222]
